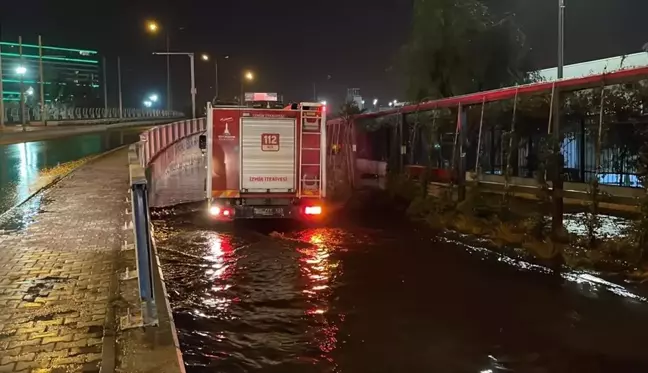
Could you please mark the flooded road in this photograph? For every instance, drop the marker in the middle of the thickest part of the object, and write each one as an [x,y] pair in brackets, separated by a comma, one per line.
[369,294]
[27,167]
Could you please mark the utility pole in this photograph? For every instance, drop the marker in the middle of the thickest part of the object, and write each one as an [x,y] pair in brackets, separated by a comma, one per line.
[119,82]
[42,80]
[561,38]
[105,86]
[216,77]
[168,61]
[558,161]
[2,113]
[22,85]
[193,84]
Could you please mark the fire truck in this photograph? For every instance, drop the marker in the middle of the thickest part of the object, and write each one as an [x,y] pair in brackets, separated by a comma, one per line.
[266,162]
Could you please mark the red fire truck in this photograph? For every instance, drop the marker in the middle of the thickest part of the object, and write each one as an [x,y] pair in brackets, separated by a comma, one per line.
[266,163]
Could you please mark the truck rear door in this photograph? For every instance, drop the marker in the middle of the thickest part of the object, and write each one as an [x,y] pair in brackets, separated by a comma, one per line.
[268,155]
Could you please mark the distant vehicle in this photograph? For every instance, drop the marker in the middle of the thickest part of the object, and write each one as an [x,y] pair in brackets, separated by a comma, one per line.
[266,162]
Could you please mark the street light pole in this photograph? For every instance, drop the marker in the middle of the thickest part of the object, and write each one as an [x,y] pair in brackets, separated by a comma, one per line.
[42,80]
[22,85]
[216,77]
[561,38]
[2,113]
[168,61]
[558,160]
[119,83]
[193,84]
[193,75]
[105,86]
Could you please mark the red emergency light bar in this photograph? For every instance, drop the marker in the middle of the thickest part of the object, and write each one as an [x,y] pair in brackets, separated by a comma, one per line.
[573,84]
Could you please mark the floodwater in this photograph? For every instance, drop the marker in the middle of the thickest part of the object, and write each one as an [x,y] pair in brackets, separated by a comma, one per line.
[27,167]
[368,292]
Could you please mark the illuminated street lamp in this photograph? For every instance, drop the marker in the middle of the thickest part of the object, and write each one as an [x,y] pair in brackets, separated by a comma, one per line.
[154,27]
[30,91]
[204,57]
[153,98]
[21,70]
[148,104]
[375,101]
[249,76]
[323,102]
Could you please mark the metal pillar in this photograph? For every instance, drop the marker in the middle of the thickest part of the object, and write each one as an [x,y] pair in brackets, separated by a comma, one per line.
[216,78]
[2,113]
[558,161]
[23,119]
[105,87]
[168,61]
[461,165]
[193,85]
[42,80]
[119,83]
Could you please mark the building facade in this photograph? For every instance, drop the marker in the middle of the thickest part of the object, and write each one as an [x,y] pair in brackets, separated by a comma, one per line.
[72,77]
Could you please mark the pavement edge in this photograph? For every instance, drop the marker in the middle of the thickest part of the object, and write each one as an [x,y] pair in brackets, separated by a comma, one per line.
[143,348]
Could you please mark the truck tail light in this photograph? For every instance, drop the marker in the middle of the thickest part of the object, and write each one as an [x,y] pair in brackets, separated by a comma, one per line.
[313,210]
[221,212]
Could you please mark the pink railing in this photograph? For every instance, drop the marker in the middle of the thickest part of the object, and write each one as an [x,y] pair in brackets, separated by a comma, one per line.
[155,140]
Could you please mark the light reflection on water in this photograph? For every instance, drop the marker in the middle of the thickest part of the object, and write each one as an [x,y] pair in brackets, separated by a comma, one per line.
[587,283]
[321,270]
[27,167]
[341,300]
[610,226]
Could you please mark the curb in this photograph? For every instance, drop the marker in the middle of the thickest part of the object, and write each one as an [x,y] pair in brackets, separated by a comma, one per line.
[169,311]
[57,179]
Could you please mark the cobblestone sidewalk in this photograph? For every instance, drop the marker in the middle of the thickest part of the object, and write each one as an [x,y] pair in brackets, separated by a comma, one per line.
[56,272]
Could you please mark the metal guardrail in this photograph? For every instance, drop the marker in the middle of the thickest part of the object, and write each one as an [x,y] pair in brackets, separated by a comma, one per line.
[143,243]
[12,114]
[155,140]
[140,154]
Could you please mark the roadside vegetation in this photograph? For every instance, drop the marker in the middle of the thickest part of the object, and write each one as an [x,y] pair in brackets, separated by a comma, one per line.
[459,47]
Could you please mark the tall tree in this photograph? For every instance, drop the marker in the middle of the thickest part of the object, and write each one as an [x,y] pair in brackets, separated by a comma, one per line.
[458,47]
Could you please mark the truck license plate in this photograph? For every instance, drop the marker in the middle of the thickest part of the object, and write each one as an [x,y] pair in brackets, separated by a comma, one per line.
[268,211]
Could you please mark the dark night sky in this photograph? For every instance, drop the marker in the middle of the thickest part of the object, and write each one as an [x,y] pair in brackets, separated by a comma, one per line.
[292,43]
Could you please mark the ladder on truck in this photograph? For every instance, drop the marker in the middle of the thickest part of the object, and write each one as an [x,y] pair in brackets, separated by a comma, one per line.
[310,154]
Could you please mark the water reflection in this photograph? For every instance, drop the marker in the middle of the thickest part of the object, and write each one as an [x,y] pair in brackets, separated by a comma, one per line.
[27,167]
[346,300]
[321,270]
[609,226]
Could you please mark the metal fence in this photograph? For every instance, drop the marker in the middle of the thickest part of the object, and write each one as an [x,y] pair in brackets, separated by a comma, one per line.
[619,153]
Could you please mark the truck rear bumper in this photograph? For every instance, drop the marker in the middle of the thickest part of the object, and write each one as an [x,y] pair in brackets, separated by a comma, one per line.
[227,211]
